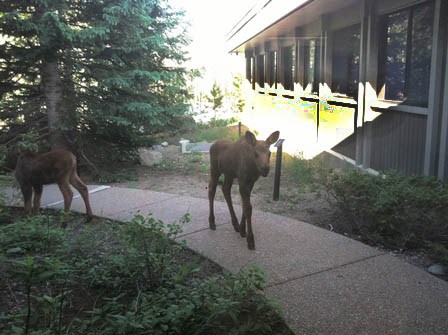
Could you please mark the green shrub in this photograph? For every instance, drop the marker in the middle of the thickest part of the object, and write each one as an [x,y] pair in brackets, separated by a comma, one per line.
[395,210]
[126,278]
[211,134]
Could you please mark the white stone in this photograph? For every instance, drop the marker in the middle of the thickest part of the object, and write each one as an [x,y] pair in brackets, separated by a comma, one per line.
[149,157]
[437,269]
[164,144]
[183,144]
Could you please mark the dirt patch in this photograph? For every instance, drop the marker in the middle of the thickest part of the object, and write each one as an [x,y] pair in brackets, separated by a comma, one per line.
[188,174]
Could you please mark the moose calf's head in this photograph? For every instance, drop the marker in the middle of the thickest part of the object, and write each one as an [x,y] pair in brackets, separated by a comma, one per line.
[260,153]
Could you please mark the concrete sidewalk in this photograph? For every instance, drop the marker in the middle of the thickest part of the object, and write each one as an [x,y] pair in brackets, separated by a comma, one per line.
[326,283]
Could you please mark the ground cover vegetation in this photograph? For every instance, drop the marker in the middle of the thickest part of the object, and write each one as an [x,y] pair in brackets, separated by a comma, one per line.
[395,211]
[391,210]
[120,278]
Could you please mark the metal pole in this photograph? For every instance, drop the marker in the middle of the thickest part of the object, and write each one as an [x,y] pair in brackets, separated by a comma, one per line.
[239,129]
[278,168]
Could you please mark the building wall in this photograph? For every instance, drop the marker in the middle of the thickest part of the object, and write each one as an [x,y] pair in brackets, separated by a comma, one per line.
[395,116]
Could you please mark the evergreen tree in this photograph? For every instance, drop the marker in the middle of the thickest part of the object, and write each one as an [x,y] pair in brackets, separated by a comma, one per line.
[94,74]
[216,96]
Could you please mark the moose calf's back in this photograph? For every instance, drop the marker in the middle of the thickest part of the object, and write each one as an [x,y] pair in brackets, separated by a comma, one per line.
[34,170]
[43,169]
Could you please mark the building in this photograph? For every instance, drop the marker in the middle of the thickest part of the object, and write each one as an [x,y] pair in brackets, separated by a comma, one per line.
[369,77]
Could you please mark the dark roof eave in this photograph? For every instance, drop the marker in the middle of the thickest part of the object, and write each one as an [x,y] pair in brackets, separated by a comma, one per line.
[235,49]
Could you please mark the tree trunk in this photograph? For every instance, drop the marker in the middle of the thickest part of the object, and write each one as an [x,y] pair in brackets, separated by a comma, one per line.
[52,87]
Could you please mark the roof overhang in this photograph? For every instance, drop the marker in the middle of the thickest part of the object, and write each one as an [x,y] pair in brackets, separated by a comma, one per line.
[275,19]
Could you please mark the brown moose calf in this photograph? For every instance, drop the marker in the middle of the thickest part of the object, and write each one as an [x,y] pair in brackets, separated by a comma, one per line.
[247,160]
[35,170]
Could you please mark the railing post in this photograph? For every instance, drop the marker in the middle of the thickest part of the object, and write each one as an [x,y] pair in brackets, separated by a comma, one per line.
[239,129]
[278,168]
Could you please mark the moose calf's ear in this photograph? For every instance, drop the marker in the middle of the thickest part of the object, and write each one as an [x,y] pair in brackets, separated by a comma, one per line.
[250,138]
[273,137]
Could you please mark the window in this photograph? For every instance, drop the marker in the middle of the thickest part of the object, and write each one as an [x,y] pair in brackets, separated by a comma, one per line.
[312,65]
[288,61]
[272,67]
[260,70]
[345,69]
[405,55]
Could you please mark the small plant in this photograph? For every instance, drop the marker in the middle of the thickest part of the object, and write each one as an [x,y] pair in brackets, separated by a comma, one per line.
[32,234]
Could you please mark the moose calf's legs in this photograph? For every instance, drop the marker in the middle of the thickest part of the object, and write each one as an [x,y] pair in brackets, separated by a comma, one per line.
[37,196]
[211,196]
[67,193]
[243,226]
[27,192]
[226,189]
[83,190]
[246,219]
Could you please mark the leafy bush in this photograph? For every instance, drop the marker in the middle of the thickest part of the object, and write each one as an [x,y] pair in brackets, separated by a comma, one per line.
[122,279]
[395,210]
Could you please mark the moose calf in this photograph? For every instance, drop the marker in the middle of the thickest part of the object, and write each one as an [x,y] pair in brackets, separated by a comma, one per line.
[35,170]
[247,160]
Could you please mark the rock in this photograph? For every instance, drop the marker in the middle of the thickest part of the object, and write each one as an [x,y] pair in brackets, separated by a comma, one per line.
[164,144]
[149,157]
[438,270]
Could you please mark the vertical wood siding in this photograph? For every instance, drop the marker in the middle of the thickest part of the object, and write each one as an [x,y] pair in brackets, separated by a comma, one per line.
[398,142]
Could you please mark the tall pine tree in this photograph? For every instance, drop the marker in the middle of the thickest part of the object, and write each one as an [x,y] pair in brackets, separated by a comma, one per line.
[91,73]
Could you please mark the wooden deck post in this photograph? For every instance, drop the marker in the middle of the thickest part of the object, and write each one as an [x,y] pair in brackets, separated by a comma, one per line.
[278,167]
